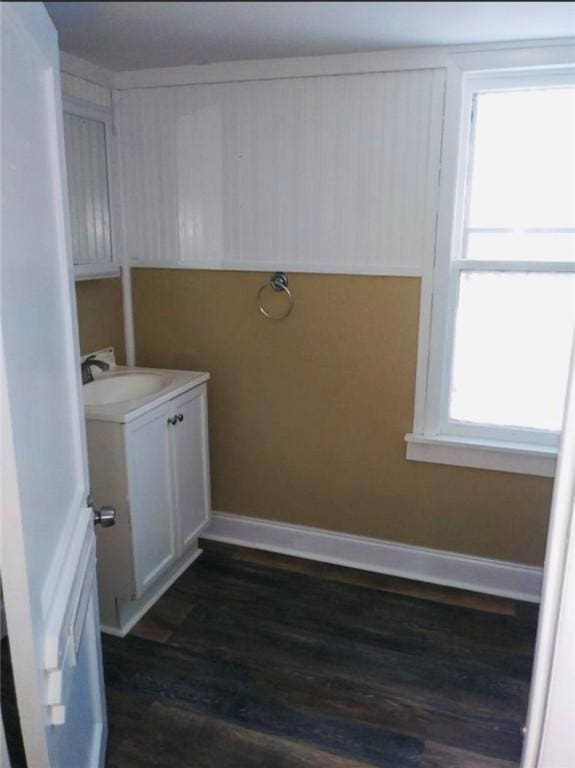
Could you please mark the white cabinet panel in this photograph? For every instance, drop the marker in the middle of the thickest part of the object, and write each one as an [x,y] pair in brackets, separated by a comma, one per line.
[191,464]
[151,498]
[323,174]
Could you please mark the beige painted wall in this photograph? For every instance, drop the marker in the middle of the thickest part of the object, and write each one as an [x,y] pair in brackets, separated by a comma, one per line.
[307,416]
[100,316]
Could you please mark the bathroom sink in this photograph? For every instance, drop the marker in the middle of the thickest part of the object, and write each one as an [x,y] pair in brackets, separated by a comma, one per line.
[120,387]
[125,393]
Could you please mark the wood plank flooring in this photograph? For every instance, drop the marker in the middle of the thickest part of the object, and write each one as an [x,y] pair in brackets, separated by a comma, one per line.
[254,660]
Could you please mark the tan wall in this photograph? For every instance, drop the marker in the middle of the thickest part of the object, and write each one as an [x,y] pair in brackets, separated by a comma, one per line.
[307,416]
[100,316]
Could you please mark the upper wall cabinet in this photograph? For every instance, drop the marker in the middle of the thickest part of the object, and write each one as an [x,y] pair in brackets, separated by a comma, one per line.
[87,142]
[315,174]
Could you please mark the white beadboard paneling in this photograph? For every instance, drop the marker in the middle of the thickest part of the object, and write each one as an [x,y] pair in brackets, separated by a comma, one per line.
[327,174]
[77,88]
[86,161]
[200,184]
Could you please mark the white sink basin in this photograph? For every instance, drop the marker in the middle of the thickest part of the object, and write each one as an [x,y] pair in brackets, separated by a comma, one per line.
[120,387]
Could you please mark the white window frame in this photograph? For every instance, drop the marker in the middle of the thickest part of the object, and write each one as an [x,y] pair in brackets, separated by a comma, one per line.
[435,438]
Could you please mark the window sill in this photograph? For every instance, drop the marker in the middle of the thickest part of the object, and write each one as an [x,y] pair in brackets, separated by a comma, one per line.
[525,459]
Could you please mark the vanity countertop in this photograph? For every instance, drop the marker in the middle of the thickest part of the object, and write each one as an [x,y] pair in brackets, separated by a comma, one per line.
[172,384]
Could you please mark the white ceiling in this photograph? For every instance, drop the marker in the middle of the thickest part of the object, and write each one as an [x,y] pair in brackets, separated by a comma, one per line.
[124,36]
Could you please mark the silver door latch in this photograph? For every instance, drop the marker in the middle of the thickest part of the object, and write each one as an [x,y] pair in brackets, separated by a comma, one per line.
[104,516]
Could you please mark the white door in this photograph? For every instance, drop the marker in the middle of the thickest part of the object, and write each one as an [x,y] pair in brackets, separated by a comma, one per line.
[550,740]
[191,464]
[47,547]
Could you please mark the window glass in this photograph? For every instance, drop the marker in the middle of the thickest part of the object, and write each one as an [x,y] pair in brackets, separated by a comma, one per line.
[521,246]
[523,160]
[513,335]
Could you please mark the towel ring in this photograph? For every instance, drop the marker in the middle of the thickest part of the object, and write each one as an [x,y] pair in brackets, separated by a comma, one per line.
[278,282]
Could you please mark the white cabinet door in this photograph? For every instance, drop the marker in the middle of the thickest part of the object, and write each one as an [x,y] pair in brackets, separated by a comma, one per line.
[190,458]
[150,496]
[47,545]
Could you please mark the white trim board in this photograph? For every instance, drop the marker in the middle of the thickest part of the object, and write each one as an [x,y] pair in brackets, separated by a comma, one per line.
[369,270]
[426,57]
[482,454]
[476,574]
[77,67]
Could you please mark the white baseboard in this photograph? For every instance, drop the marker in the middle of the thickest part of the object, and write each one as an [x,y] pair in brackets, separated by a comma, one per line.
[477,574]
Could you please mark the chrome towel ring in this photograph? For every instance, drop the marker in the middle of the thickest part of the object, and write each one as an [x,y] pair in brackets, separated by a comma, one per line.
[278,282]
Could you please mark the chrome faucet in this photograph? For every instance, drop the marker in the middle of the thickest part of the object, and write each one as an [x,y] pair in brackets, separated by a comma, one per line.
[87,375]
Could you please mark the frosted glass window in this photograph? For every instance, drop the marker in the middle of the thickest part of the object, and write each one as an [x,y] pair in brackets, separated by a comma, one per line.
[502,307]
[523,160]
[513,324]
[513,335]
[521,246]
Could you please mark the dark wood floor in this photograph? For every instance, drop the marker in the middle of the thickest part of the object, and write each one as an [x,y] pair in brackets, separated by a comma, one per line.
[254,660]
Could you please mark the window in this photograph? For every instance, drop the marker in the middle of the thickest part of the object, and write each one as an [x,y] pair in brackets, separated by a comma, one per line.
[500,349]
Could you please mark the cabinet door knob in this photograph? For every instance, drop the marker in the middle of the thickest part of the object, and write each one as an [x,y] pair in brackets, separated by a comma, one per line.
[172,420]
[180,417]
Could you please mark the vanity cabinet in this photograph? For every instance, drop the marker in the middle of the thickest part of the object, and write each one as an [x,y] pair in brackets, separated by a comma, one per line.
[154,470]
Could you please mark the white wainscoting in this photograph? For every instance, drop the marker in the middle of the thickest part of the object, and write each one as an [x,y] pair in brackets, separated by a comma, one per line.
[87,166]
[317,174]
[477,574]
